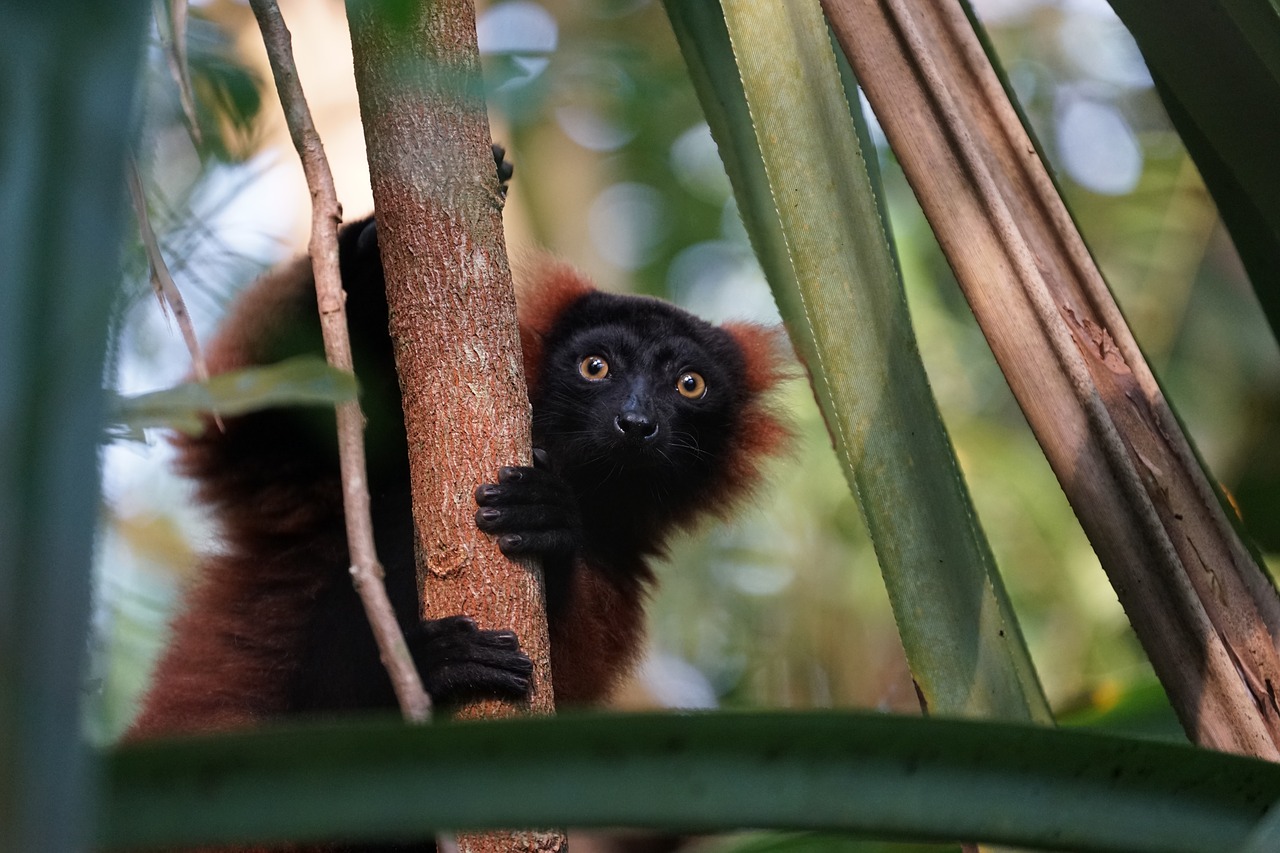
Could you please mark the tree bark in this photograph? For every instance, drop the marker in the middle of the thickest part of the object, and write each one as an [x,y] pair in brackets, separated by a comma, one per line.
[452,318]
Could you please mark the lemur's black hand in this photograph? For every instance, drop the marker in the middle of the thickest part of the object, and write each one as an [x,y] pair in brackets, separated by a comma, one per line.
[505,168]
[459,662]
[531,511]
[367,241]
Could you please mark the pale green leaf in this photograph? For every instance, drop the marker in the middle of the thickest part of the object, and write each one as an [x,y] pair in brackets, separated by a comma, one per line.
[300,381]
[776,106]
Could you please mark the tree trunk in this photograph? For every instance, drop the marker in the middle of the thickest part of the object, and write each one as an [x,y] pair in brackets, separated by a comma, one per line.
[452,317]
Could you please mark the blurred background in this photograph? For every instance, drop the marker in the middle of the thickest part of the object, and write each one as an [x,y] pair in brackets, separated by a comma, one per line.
[616,172]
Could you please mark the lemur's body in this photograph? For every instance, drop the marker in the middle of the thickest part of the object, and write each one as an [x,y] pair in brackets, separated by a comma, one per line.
[645,419]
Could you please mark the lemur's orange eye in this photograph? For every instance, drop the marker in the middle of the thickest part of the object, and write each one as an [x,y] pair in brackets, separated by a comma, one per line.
[593,368]
[691,385]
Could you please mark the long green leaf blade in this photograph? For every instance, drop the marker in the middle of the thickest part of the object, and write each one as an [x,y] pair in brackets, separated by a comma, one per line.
[803,188]
[66,96]
[893,777]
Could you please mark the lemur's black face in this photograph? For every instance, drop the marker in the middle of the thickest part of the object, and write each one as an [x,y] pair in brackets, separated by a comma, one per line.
[638,394]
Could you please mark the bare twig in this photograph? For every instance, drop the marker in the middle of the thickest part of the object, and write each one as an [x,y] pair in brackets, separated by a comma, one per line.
[174,42]
[326,215]
[161,279]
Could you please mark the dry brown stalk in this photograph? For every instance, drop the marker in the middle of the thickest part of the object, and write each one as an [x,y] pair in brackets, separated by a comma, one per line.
[1204,611]
[162,282]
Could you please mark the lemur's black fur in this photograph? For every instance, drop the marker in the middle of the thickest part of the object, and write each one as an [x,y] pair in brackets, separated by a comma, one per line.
[645,419]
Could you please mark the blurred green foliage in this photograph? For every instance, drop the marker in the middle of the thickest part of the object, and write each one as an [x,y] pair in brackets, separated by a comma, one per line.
[870,774]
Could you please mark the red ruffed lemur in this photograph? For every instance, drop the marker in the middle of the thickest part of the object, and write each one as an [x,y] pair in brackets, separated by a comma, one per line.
[645,419]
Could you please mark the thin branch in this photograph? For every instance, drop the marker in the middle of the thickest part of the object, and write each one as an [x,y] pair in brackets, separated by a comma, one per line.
[326,215]
[161,279]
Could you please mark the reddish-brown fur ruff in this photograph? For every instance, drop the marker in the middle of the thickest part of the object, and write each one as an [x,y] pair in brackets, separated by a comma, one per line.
[279,522]
[762,432]
[238,642]
[551,286]
[600,641]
